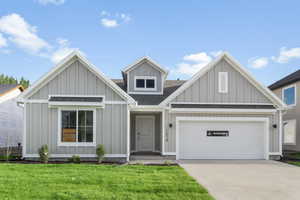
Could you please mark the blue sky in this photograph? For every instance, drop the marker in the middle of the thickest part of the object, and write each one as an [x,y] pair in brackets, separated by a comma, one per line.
[182,36]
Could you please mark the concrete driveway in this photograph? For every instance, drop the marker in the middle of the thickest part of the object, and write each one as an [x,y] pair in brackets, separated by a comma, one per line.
[246,179]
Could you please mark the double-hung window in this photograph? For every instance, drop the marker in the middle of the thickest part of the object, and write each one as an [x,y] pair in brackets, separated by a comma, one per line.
[145,83]
[289,95]
[77,127]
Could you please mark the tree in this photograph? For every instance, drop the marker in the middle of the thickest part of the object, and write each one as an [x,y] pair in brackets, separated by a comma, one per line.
[4,79]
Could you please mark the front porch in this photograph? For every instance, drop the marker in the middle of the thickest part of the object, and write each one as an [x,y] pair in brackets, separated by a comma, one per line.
[146,136]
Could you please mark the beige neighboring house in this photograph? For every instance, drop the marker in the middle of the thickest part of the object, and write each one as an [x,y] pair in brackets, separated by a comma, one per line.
[11,115]
[287,89]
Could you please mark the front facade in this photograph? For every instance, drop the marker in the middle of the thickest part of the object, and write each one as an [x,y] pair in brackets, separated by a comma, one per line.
[220,113]
[288,89]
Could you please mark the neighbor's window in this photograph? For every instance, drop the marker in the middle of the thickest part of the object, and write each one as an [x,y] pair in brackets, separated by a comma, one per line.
[223,82]
[289,95]
[77,126]
[289,132]
[145,83]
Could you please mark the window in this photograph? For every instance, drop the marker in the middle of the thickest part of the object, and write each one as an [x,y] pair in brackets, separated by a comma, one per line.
[145,83]
[140,83]
[223,82]
[77,127]
[289,132]
[289,95]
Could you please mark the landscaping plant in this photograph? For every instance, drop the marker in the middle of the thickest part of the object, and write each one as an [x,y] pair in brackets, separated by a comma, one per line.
[75,159]
[44,154]
[100,151]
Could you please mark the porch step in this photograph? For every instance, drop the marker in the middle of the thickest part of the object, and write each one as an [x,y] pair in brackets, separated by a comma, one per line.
[151,157]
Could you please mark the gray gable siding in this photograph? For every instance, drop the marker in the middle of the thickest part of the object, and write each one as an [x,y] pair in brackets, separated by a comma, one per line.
[76,79]
[144,69]
[205,89]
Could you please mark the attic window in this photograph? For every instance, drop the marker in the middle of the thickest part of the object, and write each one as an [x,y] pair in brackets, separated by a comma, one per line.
[145,83]
[223,82]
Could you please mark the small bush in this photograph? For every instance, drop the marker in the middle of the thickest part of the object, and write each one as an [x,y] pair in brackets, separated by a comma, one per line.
[44,153]
[100,151]
[74,159]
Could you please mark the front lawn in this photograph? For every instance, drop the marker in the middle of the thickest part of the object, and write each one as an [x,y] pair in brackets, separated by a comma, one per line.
[294,163]
[86,181]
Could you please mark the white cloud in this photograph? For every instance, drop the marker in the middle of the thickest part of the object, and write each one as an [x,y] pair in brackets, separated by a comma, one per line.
[258,63]
[193,63]
[62,51]
[216,53]
[3,42]
[110,20]
[286,55]
[55,2]
[22,34]
[201,57]
[109,23]
[125,17]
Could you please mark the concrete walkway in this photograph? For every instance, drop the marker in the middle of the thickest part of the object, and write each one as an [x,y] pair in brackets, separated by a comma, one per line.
[246,179]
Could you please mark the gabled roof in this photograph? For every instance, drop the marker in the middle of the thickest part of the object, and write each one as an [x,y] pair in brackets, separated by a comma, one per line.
[268,93]
[57,69]
[289,79]
[5,88]
[145,99]
[145,59]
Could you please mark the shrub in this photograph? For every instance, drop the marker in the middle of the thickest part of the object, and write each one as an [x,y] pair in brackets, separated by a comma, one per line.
[44,153]
[100,151]
[75,159]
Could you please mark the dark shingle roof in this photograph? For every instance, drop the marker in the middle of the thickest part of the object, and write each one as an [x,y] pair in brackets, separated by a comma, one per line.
[169,88]
[6,87]
[293,77]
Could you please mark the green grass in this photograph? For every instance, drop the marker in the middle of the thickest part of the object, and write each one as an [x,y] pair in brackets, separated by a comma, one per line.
[83,181]
[294,163]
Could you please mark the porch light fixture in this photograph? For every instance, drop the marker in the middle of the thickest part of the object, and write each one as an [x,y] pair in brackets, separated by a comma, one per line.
[170,125]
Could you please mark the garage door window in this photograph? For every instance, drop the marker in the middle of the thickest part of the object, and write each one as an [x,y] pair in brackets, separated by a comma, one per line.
[289,131]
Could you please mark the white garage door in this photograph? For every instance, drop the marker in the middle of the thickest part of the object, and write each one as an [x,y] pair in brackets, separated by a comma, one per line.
[221,140]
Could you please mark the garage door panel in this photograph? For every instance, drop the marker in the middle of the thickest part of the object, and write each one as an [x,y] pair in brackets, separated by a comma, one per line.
[245,141]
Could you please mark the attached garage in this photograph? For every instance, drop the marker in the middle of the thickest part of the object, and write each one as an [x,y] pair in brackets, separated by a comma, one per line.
[222,138]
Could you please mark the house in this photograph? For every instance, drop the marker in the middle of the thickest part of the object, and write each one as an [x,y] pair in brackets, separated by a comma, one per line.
[287,89]
[11,115]
[222,112]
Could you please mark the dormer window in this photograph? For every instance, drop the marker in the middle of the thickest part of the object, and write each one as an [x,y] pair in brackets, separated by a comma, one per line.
[145,83]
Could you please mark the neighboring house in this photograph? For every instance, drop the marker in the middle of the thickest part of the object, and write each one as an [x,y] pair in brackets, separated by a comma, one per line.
[288,89]
[11,115]
[222,112]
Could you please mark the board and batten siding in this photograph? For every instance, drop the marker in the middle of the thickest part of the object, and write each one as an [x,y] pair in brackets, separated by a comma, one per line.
[170,132]
[145,69]
[205,89]
[76,79]
[42,128]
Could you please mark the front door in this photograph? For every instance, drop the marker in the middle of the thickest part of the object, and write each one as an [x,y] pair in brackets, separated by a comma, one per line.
[144,130]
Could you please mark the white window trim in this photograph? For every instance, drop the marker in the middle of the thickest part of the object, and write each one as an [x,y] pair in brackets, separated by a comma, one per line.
[290,143]
[295,98]
[60,143]
[145,88]
[225,74]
